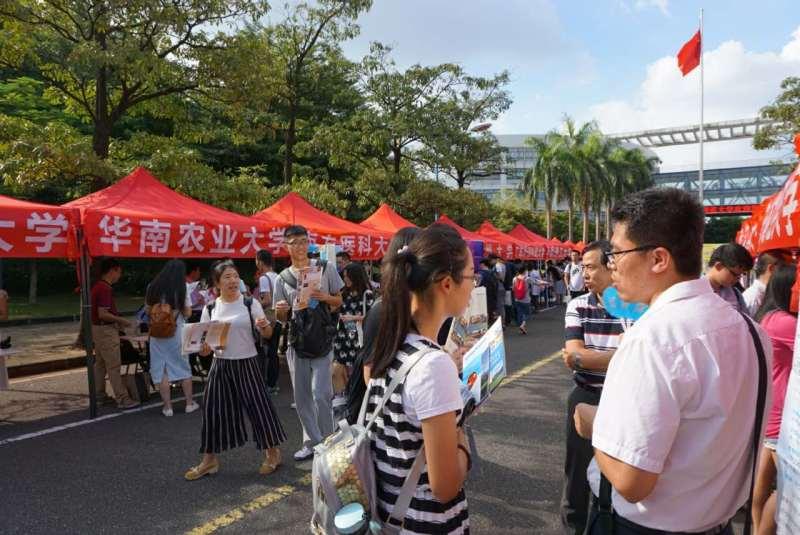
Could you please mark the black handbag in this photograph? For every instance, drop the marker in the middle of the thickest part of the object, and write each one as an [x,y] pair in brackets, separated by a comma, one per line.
[604,512]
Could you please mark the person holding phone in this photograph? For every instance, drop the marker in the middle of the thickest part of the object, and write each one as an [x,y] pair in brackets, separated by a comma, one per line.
[235,385]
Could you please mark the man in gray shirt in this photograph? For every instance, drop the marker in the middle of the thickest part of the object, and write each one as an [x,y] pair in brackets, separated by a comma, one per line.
[311,377]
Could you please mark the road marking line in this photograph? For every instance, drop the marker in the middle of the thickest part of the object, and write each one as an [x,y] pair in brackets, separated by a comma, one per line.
[529,368]
[238,513]
[81,423]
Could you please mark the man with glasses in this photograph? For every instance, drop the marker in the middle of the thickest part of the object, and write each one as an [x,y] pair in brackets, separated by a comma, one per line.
[592,335]
[674,430]
[311,377]
[728,263]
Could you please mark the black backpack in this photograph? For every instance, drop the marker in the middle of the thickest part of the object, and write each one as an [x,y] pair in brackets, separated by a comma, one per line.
[311,330]
[508,283]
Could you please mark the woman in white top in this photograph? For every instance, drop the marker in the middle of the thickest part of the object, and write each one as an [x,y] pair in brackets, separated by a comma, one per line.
[423,283]
[235,385]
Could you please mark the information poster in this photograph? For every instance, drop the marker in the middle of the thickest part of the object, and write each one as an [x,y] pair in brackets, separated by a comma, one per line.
[485,363]
[789,453]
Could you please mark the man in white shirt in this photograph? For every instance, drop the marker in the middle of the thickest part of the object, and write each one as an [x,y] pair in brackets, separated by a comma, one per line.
[673,433]
[573,276]
[726,266]
[754,295]
[266,290]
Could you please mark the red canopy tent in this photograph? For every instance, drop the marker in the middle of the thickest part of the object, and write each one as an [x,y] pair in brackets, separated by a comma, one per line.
[553,251]
[468,235]
[511,247]
[361,242]
[384,219]
[34,230]
[141,217]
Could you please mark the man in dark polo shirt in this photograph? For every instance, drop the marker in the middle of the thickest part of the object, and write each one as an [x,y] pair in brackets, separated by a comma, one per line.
[106,323]
[592,335]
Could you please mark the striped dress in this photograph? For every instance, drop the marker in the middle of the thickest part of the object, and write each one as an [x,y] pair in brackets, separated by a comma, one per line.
[396,441]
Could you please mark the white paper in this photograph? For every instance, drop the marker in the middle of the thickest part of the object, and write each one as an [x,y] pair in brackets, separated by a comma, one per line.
[213,333]
[310,280]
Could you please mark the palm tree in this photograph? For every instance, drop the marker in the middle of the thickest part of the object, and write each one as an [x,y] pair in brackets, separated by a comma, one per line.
[581,145]
[542,177]
[629,170]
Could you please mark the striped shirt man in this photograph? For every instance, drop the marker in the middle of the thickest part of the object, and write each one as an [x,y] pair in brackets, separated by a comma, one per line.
[586,320]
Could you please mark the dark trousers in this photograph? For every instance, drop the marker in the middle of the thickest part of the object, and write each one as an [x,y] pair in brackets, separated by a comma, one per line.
[272,366]
[576,495]
[574,294]
[624,527]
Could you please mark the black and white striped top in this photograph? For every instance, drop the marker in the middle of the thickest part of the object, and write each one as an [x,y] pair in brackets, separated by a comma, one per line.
[397,439]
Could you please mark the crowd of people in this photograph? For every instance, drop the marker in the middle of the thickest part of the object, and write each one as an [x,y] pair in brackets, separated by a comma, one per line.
[685,375]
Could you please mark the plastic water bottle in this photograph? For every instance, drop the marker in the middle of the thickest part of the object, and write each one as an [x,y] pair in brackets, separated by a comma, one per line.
[351,520]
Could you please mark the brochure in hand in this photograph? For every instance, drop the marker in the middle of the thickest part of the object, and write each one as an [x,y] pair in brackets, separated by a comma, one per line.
[467,329]
[484,366]
[213,333]
[310,280]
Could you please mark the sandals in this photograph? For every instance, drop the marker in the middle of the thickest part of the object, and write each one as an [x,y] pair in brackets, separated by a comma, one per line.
[271,463]
[196,472]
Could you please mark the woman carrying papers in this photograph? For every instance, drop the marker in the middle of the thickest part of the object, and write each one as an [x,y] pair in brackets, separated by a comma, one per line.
[423,283]
[235,384]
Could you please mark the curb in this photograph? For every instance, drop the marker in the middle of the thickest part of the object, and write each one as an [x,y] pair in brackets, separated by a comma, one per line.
[47,366]
[55,319]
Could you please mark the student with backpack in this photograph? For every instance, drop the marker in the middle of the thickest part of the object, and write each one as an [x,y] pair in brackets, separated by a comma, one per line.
[311,331]
[423,283]
[235,386]
[168,306]
[521,288]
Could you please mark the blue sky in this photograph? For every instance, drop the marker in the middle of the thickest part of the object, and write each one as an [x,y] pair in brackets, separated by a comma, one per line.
[610,60]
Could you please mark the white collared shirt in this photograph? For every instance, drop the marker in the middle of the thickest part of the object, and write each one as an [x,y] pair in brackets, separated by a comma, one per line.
[679,400]
[754,296]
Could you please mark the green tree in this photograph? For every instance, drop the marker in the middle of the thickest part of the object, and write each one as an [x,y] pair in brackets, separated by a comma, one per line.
[722,229]
[785,110]
[397,113]
[105,59]
[459,144]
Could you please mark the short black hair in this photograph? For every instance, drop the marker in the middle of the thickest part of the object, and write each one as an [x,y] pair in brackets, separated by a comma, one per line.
[192,265]
[668,218]
[732,255]
[295,230]
[484,262]
[766,259]
[107,264]
[265,257]
[604,246]
[343,254]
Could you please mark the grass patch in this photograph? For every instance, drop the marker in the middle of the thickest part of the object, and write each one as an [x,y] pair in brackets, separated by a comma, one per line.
[64,304]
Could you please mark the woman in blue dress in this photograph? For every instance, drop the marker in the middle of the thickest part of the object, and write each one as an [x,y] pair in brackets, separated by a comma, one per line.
[167,362]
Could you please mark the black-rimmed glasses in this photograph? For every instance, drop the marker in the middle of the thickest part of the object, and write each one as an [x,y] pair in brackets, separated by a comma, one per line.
[609,256]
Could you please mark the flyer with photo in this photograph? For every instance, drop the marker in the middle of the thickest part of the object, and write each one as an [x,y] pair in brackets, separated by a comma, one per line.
[467,329]
[310,280]
[485,364]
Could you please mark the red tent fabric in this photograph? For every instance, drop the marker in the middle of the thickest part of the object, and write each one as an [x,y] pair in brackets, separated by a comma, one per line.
[361,242]
[776,222]
[580,246]
[384,219]
[141,217]
[553,250]
[468,234]
[34,230]
[511,247]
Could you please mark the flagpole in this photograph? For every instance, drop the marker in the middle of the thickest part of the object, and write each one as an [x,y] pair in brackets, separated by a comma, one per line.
[702,129]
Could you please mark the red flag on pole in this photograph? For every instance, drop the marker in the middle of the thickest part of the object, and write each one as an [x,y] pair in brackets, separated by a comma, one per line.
[689,55]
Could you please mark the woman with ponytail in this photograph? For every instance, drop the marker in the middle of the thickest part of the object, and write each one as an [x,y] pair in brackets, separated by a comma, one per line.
[423,283]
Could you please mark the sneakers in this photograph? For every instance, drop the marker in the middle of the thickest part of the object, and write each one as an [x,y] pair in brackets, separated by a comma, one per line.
[303,454]
[293,405]
[128,404]
[190,408]
[167,411]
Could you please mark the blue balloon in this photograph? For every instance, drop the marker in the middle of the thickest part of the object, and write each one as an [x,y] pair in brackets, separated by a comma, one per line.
[620,309]
[313,248]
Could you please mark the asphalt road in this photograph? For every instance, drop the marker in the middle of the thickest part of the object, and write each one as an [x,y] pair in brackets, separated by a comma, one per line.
[125,474]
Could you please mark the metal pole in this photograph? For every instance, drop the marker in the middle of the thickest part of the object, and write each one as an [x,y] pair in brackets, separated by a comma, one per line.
[702,129]
[86,322]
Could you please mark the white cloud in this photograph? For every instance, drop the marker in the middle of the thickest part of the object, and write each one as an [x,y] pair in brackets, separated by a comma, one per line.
[662,5]
[738,83]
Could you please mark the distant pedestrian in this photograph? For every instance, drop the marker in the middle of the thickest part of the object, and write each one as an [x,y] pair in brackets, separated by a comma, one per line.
[309,357]
[765,265]
[522,297]
[726,266]
[573,276]
[106,323]
[342,260]
[267,279]
[168,305]
[357,300]
[235,386]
